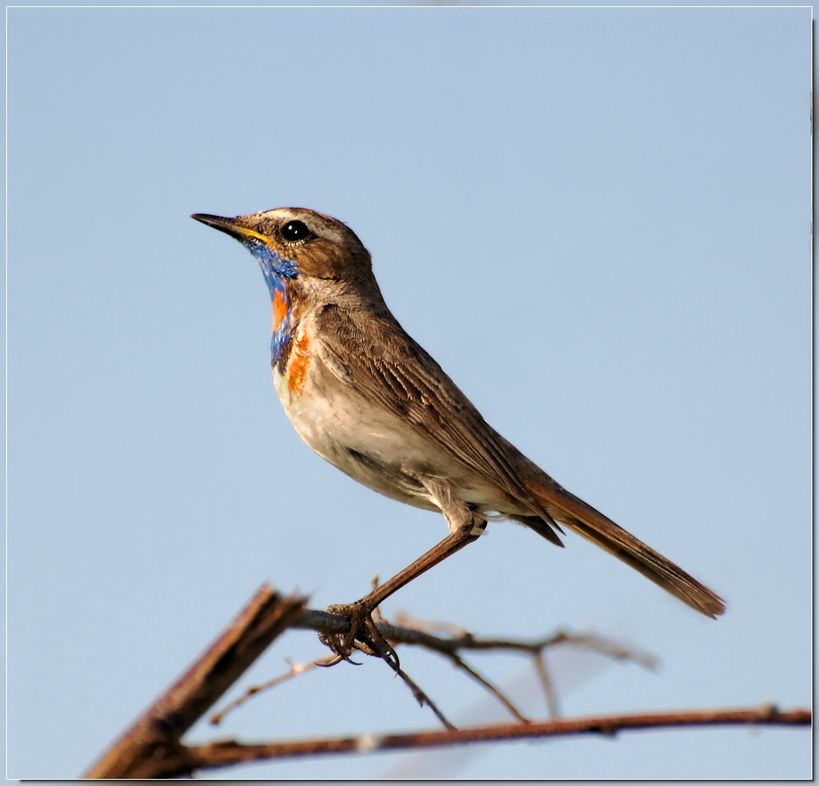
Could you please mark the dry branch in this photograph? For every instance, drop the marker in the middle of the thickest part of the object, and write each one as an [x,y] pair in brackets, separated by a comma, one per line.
[229,752]
[322,621]
[450,647]
[151,747]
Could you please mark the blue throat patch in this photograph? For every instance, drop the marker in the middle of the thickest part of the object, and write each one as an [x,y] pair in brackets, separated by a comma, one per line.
[274,267]
[283,332]
[278,272]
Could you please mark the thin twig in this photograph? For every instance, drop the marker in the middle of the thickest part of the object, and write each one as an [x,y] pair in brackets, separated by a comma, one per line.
[406,620]
[420,695]
[378,616]
[330,623]
[228,752]
[491,687]
[548,685]
[295,670]
[450,646]
[324,622]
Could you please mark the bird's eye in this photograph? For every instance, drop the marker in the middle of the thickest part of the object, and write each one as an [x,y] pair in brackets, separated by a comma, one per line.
[295,230]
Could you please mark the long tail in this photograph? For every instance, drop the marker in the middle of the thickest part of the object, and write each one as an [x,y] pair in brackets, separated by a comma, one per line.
[570,510]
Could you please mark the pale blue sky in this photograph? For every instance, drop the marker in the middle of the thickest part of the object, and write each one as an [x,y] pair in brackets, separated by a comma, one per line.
[597,220]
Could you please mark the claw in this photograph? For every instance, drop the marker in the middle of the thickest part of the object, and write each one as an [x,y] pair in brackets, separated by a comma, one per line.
[363,634]
[334,645]
[334,662]
[381,645]
[342,643]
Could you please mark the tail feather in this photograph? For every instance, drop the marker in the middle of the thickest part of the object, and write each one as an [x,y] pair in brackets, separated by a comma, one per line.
[594,526]
[545,526]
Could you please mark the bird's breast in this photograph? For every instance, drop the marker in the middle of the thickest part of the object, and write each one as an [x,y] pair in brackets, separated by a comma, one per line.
[292,377]
[364,440]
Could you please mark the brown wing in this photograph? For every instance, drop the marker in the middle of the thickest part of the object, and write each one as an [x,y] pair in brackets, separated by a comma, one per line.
[391,370]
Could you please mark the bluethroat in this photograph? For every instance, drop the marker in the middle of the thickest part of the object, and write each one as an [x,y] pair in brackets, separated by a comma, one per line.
[371,401]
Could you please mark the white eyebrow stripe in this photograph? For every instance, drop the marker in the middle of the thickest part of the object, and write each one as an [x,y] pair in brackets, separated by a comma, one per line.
[316,223]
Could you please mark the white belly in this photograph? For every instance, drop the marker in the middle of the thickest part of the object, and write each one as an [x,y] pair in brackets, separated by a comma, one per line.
[372,445]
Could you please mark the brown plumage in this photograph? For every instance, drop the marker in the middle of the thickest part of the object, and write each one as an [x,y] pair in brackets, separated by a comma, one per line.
[390,369]
[365,396]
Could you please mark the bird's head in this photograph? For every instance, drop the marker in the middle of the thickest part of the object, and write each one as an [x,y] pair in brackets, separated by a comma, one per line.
[294,243]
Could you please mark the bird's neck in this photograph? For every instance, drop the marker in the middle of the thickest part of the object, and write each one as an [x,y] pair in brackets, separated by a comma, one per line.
[284,316]
[279,275]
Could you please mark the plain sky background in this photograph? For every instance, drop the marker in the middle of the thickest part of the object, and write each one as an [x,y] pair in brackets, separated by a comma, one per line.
[597,220]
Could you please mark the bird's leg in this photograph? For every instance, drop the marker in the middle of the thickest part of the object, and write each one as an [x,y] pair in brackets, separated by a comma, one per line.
[360,611]
[465,526]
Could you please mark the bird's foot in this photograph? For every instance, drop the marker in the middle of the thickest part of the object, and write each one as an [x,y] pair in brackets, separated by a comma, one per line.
[363,634]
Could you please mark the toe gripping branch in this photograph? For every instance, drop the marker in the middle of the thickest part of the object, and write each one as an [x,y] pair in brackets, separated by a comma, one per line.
[362,634]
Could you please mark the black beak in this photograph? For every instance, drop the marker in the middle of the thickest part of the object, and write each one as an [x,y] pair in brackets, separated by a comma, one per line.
[230,226]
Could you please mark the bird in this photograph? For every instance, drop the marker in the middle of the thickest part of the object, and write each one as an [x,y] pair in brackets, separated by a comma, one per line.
[370,400]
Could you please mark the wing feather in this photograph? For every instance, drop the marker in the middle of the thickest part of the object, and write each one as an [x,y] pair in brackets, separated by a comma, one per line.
[390,369]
